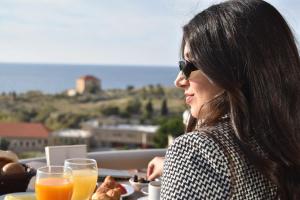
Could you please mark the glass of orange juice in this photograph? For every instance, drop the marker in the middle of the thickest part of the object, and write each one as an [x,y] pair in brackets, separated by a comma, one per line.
[85,174]
[54,182]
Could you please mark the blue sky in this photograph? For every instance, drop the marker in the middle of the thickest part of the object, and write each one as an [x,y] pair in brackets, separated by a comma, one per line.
[129,32]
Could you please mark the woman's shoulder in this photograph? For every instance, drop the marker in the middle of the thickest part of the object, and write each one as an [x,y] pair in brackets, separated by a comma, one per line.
[205,138]
[198,146]
[194,139]
[195,159]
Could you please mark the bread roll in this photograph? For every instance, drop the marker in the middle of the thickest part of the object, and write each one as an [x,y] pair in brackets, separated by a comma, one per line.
[12,168]
[115,194]
[102,189]
[109,182]
[108,190]
[8,155]
[100,196]
[3,162]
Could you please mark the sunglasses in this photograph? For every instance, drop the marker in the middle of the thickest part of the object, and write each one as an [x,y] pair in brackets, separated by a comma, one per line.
[186,68]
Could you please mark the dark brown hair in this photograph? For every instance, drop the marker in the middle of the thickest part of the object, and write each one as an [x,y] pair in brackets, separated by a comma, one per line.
[247,48]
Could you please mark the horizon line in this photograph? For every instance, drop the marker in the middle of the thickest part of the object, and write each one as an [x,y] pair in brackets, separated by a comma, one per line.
[87,64]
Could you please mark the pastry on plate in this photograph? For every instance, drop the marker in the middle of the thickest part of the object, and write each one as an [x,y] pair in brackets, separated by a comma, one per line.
[108,190]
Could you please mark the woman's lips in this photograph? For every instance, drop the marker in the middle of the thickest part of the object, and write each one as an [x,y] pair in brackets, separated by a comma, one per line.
[188,99]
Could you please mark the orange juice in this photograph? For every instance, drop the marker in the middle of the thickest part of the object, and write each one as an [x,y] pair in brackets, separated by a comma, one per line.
[84,183]
[53,189]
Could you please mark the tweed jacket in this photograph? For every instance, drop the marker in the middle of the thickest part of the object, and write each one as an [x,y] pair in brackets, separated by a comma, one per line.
[199,166]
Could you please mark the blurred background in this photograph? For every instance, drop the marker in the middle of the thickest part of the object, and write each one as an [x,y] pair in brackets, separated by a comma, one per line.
[94,72]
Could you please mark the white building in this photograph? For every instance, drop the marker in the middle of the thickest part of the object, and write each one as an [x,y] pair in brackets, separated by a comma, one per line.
[123,134]
[71,136]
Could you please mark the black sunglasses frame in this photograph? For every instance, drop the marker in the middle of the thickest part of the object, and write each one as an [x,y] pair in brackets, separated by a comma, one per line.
[186,68]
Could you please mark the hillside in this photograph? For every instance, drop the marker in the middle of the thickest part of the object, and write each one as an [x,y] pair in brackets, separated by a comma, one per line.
[134,105]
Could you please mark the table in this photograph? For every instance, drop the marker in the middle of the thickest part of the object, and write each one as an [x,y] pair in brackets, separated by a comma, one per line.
[134,196]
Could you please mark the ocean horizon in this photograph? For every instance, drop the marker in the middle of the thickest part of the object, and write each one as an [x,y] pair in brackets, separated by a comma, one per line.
[56,78]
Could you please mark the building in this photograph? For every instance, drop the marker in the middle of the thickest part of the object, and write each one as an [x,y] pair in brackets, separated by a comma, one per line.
[71,136]
[123,134]
[24,136]
[88,84]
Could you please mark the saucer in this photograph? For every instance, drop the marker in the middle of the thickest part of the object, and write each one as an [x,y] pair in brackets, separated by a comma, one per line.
[144,190]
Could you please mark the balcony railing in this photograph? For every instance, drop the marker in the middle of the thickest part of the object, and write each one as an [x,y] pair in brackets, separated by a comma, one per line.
[123,159]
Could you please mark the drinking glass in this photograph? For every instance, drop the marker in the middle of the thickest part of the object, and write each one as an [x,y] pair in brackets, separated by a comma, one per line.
[54,182]
[85,174]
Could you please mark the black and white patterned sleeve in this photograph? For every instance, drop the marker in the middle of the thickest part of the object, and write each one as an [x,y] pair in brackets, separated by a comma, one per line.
[195,168]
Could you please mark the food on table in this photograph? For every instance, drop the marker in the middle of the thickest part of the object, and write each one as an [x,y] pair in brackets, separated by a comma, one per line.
[122,188]
[20,197]
[114,193]
[109,190]
[109,182]
[135,178]
[12,168]
[14,176]
[7,157]
[9,164]
[139,179]
[11,156]
[101,196]
[102,189]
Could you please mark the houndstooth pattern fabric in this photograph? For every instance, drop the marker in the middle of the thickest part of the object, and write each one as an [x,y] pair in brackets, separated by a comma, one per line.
[198,166]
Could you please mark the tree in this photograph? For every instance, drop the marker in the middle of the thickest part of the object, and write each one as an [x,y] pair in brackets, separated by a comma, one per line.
[111,110]
[151,89]
[129,88]
[160,92]
[57,121]
[4,144]
[149,109]
[43,113]
[144,93]
[172,126]
[93,89]
[164,108]
[134,106]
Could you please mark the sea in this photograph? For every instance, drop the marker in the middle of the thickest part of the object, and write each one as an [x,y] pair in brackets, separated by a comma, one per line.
[56,78]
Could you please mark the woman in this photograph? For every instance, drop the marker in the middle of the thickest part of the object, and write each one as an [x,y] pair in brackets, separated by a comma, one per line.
[241,79]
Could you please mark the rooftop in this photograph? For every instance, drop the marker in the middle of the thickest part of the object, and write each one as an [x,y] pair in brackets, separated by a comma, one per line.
[129,127]
[89,77]
[23,130]
[72,133]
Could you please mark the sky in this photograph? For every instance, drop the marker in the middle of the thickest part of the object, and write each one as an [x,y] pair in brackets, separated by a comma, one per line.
[114,32]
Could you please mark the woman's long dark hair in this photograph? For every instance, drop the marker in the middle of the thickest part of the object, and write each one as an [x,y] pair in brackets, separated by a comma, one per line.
[247,48]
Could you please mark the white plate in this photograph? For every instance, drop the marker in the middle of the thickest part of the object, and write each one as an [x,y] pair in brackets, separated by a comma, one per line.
[17,194]
[144,190]
[129,190]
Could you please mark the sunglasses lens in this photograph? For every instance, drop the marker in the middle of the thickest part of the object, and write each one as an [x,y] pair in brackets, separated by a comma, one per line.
[184,69]
[181,65]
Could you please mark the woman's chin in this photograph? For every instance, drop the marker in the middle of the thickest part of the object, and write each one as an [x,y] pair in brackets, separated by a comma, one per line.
[194,113]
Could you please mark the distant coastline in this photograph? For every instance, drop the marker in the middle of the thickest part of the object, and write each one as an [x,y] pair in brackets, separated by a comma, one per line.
[56,78]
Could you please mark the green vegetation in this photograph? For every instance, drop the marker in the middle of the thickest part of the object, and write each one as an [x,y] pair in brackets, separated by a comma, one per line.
[30,154]
[145,105]
[4,144]
[168,126]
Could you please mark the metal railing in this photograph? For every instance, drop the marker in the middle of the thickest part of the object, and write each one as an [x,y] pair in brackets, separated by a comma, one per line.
[122,159]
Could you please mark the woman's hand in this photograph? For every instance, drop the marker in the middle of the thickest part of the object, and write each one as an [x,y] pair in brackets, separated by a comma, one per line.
[155,168]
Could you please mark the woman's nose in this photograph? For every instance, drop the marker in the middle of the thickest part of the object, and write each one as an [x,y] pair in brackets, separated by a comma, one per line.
[180,81]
